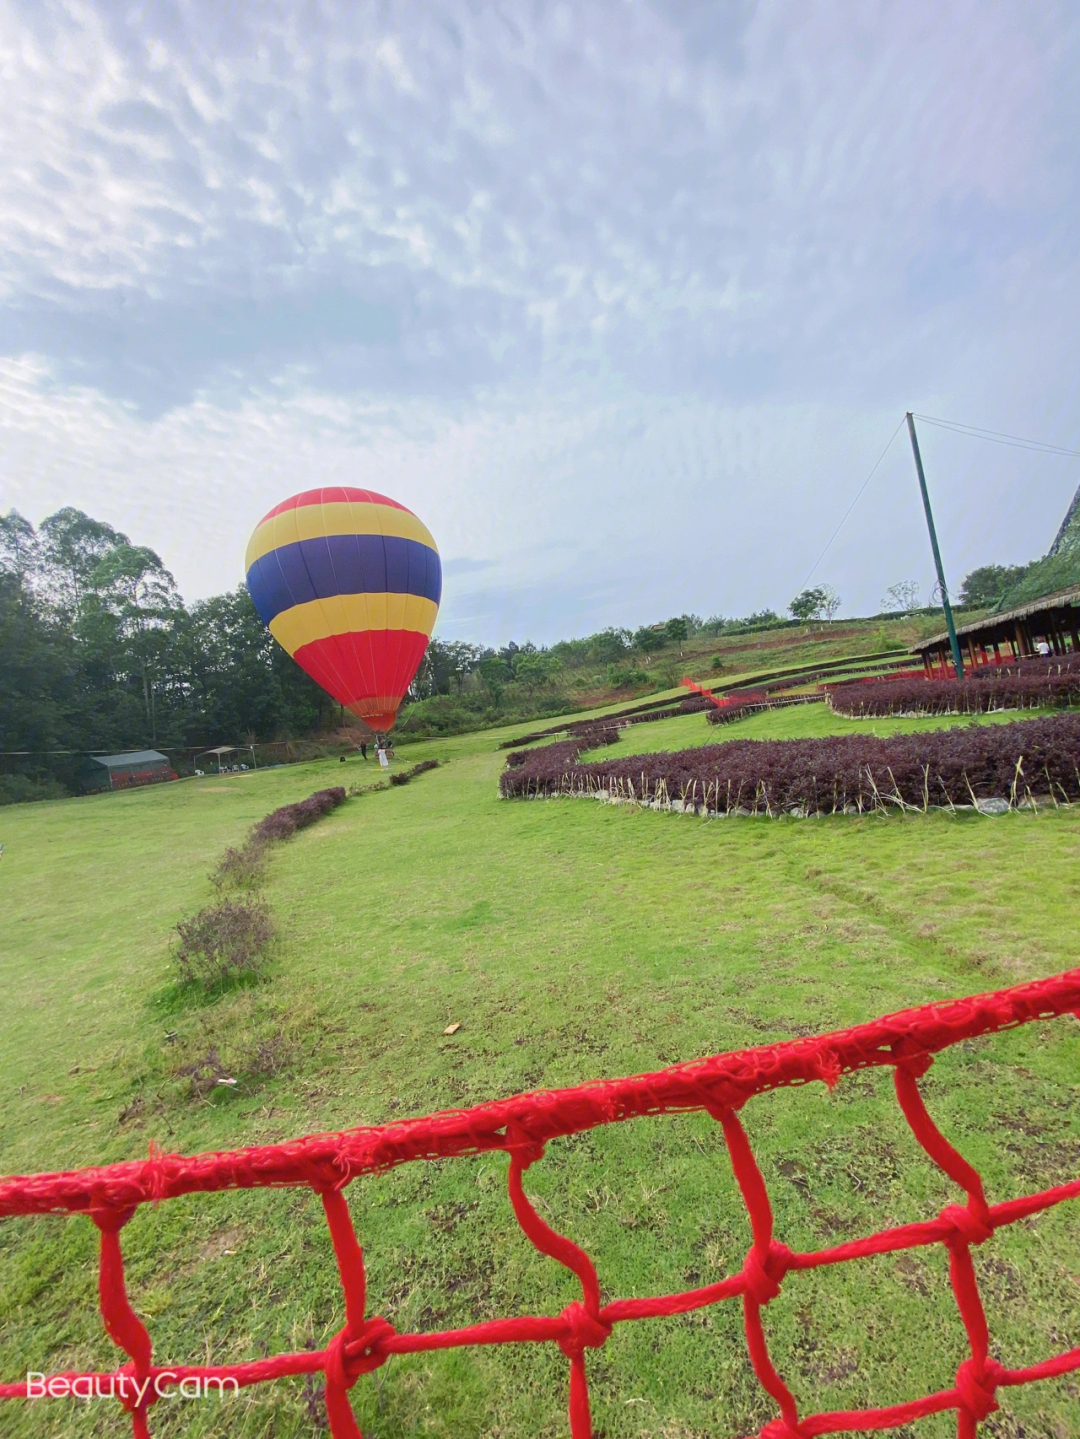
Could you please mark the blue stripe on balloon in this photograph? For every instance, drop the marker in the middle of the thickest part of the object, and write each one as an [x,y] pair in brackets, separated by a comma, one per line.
[342,565]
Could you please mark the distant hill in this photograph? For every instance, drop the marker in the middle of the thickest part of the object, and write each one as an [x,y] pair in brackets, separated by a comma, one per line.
[1057,570]
[1067,539]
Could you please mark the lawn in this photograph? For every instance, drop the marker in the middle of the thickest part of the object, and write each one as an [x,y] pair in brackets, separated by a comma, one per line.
[569,940]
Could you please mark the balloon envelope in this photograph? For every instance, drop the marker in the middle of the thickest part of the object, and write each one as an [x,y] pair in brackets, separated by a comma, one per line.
[348,582]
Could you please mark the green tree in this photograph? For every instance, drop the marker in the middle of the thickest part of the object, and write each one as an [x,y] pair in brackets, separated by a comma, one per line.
[71,547]
[240,683]
[609,646]
[986,585]
[678,631]
[446,666]
[536,669]
[572,652]
[18,546]
[132,602]
[495,673]
[649,638]
[38,676]
[809,605]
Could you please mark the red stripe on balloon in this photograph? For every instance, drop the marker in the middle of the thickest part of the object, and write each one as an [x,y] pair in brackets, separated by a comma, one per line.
[334,495]
[364,665]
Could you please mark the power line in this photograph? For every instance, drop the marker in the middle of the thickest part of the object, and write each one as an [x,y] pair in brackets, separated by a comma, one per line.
[161,748]
[854,502]
[997,438]
[974,432]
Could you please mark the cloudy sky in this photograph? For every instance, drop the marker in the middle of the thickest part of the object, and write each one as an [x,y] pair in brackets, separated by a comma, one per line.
[623,298]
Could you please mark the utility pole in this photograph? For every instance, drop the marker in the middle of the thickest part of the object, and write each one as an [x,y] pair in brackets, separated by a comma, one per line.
[945,605]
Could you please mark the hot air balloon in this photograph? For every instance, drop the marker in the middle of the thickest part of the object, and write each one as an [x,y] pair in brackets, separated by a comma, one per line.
[348,583]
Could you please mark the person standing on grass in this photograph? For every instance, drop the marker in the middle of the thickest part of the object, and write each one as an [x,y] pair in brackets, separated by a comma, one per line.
[383,759]
[363,749]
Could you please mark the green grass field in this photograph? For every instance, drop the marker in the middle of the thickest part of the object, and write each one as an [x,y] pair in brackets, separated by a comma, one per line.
[570,940]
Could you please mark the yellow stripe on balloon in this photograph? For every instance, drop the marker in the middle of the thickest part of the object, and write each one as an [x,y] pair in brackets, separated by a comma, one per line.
[312,522]
[345,614]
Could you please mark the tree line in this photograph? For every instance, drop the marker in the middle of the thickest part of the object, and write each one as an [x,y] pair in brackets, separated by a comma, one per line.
[99,652]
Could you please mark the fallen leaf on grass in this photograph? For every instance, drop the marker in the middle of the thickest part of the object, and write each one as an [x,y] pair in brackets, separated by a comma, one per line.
[452,1028]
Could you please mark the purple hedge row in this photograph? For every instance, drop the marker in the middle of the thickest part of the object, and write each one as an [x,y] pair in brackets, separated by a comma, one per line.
[566,751]
[283,822]
[1043,665]
[936,697]
[693,704]
[243,868]
[223,941]
[642,714]
[527,739]
[405,775]
[841,773]
[231,937]
[755,704]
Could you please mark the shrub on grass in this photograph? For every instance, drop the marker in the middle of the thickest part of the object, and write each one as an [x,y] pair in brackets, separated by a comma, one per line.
[728,711]
[527,739]
[826,776]
[557,756]
[204,1073]
[241,868]
[405,775]
[243,1064]
[566,751]
[668,712]
[244,868]
[1033,666]
[638,714]
[282,823]
[224,941]
[624,676]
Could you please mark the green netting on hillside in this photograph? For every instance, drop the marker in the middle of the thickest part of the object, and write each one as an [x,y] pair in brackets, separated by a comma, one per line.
[1045,577]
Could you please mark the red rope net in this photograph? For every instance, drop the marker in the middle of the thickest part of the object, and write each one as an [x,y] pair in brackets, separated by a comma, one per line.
[521,1127]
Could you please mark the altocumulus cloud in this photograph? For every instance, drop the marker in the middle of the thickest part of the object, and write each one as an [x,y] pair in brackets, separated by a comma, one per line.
[624,298]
